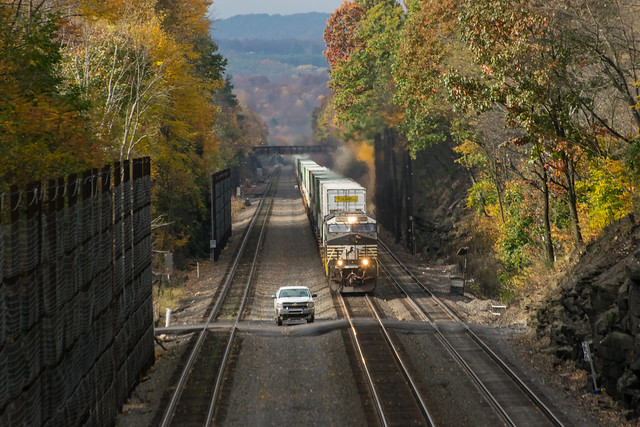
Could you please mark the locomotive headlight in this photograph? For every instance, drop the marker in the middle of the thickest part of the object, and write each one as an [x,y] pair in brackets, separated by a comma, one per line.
[365,262]
[352,219]
[340,262]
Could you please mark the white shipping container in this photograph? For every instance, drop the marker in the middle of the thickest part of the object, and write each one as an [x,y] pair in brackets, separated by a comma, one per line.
[342,196]
[308,182]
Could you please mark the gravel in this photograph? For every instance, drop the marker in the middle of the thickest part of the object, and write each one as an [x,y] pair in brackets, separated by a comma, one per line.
[307,365]
[300,373]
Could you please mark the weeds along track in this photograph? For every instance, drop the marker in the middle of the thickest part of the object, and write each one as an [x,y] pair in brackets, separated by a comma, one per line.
[511,398]
[395,396]
[192,400]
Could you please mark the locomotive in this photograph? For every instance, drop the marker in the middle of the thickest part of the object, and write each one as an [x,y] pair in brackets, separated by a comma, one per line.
[347,236]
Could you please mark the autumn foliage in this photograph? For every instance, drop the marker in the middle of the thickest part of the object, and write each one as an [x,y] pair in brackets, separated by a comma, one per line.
[89,82]
[42,130]
[540,100]
[341,32]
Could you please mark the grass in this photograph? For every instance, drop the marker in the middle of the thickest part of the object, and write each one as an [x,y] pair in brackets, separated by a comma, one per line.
[166,295]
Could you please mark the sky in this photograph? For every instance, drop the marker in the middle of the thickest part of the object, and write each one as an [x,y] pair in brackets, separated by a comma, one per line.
[222,9]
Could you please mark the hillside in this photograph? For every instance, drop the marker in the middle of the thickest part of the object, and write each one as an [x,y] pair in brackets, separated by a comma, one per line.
[300,26]
[598,302]
[272,45]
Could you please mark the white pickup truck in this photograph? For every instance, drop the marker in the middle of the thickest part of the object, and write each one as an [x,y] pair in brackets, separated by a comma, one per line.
[294,302]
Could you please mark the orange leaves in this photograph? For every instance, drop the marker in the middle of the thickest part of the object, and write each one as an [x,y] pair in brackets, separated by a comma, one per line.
[341,32]
[518,142]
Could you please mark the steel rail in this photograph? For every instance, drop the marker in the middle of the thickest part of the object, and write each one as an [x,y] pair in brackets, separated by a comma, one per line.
[443,340]
[403,366]
[356,343]
[169,411]
[516,379]
[227,352]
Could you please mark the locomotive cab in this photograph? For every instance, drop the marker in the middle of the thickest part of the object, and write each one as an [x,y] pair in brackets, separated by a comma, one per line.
[350,243]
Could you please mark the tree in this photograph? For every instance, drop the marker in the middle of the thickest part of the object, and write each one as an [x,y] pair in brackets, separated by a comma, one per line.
[523,68]
[361,78]
[607,37]
[43,130]
[341,32]
[426,45]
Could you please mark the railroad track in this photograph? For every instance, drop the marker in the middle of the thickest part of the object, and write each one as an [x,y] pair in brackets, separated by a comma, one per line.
[512,399]
[195,396]
[395,395]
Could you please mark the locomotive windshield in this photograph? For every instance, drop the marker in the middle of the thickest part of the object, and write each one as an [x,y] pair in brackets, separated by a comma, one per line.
[352,228]
[363,228]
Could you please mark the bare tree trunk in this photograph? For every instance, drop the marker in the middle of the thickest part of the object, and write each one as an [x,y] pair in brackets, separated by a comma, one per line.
[397,189]
[547,224]
[496,181]
[572,201]
[408,191]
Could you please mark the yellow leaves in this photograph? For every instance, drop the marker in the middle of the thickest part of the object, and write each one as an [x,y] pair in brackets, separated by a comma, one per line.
[365,153]
[394,117]
[115,10]
[467,147]
[41,138]
[143,52]
[608,194]
[185,19]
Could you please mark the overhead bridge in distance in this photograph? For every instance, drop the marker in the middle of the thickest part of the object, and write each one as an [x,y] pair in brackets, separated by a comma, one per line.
[291,149]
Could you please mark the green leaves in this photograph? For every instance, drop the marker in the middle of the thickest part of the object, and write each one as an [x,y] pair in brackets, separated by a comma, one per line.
[112,80]
[360,55]
[535,94]
[43,132]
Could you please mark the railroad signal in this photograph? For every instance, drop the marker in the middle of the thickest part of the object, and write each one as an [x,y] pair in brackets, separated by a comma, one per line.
[587,358]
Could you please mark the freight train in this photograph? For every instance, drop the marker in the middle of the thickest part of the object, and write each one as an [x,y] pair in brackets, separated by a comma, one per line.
[346,235]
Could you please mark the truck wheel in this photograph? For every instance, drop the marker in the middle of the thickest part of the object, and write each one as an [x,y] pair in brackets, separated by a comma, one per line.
[279,321]
[310,319]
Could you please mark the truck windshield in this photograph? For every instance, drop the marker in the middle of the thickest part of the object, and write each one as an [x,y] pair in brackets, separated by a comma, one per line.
[289,293]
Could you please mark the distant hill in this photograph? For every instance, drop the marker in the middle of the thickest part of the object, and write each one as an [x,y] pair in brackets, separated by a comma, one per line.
[300,26]
[278,68]
[272,45]
[289,53]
